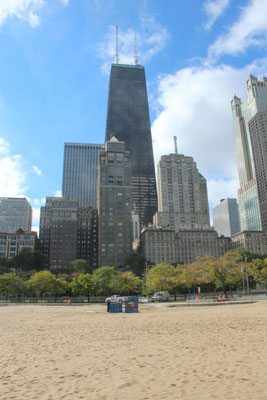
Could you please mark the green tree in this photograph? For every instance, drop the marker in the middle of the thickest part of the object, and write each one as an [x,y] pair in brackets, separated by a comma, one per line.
[42,282]
[106,281]
[11,285]
[136,263]
[83,285]
[225,271]
[129,283]
[162,277]
[79,265]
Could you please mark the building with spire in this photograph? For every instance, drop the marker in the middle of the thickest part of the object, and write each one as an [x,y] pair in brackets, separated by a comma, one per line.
[250,137]
[182,193]
[128,120]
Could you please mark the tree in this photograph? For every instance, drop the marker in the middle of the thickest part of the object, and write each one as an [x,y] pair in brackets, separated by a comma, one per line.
[162,277]
[136,262]
[79,265]
[11,285]
[129,283]
[41,282]
[105,281]
[82,285]
[225,271]
[257,268]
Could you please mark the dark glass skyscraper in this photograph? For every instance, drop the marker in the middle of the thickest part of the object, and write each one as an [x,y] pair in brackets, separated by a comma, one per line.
[128,120]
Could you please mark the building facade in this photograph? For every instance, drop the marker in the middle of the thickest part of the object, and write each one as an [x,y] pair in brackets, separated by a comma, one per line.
[128,120]
[68,232]
[249,128]
[226,218]
[12,243]
[182,193]
[15,213]
[255,241]
[114,204]
[165,245]
[80,172]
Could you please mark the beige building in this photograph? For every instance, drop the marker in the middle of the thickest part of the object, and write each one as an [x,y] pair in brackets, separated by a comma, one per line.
[255,241]
[164,245]
[182,194]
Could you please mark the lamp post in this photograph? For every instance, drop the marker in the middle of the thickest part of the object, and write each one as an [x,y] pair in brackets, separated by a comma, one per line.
[245,257]
[147,266]
[242,273]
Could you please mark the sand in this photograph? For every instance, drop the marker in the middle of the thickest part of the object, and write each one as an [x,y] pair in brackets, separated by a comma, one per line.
[82,352]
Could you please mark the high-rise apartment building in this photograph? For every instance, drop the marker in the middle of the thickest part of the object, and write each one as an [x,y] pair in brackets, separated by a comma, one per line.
[15,213]
[250,137]
[68,232]
[80,172]
[114,204]
[182,193]
[226,218]
[128,120]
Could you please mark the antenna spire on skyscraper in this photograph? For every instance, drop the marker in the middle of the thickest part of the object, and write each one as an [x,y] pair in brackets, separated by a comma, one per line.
[136,55]
[175,144]
[117,44]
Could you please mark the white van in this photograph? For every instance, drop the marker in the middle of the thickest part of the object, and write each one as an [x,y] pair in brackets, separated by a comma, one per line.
[161,296]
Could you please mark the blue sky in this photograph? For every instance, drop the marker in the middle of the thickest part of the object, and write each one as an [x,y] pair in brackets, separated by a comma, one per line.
[54,68]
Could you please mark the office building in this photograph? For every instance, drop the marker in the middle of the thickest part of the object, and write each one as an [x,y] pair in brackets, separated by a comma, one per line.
[165,245]
[249,128]
[254,241]
[226,218]
[128,120]
[15,213]
[68,232]
[80,172]
[182,194]
[12,243]
[114,204]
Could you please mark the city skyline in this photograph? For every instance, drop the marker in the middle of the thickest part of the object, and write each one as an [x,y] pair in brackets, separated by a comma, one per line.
[54,72]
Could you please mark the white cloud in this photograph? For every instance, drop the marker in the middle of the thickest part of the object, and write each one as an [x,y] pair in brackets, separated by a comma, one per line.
[151,38]
[58,193]
[21,9]
[195,107]
[220,189]
[249,30]
[12,175]
[65,2]
[214,9]
[37,170]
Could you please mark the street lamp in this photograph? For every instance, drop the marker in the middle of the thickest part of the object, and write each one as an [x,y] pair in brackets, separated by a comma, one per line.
[147,266]
[245,257]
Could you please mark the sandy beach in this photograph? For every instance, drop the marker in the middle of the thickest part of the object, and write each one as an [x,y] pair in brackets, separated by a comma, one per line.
[82,352]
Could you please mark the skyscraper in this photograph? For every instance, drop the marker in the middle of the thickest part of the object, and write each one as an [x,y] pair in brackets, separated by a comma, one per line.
[226,218]
[80,172]
[15,213]
[250,129]
[114,204]
[182,193]
[128,120]
[68,232]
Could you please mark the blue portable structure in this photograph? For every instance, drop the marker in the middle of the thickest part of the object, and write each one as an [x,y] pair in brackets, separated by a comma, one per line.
[114,307]
[131,305]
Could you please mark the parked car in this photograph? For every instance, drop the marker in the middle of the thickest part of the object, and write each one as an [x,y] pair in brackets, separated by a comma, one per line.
[143,299]
[116,298]
[161,296]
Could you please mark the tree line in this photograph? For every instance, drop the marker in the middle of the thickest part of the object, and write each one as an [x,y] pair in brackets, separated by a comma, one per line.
[234,270]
